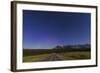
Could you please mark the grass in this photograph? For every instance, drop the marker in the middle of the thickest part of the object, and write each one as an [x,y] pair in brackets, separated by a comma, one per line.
[76,55]
[73,55]
[34,58]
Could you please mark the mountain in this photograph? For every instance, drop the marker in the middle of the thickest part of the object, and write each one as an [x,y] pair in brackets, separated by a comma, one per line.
[74,46]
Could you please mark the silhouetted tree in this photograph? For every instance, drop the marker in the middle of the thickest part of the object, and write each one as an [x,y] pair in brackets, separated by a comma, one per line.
[58,47]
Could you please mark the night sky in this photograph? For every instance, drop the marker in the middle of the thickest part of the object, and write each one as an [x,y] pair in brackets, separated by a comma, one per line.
[47,29]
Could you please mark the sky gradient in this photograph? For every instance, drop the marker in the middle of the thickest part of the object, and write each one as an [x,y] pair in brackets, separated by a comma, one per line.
[47,29]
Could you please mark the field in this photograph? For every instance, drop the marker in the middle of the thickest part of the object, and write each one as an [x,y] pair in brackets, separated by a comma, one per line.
[39,55]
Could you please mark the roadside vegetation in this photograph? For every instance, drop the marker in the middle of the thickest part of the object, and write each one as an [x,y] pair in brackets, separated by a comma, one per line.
[67,52]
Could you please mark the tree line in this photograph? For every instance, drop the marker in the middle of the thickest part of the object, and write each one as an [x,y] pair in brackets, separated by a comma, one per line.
[57,49]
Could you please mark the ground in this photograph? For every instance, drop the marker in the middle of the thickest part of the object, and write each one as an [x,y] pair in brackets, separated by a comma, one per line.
[73,55]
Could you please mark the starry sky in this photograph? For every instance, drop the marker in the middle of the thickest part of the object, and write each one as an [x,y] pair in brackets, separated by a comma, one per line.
[47,29]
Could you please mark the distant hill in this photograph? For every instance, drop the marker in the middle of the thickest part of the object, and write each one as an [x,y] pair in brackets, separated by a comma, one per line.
[74,46]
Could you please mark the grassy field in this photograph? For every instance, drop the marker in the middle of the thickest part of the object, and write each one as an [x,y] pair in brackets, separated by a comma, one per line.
[34,58]
[72,55]
[76,55]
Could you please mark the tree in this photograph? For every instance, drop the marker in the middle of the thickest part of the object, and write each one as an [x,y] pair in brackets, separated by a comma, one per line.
[58,47]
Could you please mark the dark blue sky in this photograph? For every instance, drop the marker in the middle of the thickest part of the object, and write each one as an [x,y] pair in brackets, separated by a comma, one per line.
[47,29]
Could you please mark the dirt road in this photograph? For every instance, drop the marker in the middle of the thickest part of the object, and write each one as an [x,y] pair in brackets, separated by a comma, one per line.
[53,57]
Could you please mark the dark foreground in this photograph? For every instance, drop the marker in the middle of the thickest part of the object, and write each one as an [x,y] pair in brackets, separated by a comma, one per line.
[39,55]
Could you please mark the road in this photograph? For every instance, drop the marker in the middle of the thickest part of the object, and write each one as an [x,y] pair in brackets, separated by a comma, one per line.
[53,57]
